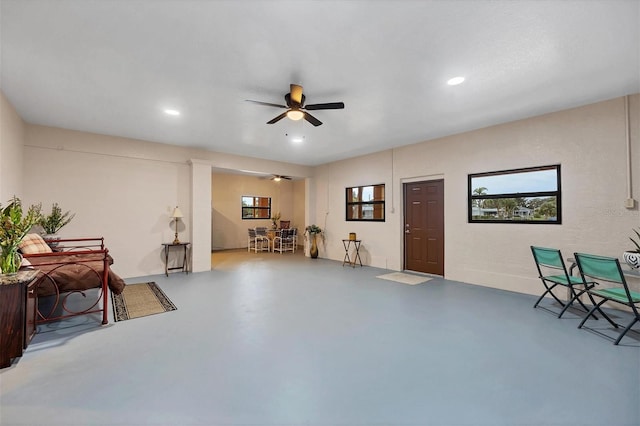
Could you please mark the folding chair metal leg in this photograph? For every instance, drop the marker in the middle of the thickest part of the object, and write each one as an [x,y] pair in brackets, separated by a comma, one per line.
[576,297]
[551,293]
[625,331]
[597,308]
[582,304]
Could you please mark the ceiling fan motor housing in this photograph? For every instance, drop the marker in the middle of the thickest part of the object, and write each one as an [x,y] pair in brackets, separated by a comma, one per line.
[291,104]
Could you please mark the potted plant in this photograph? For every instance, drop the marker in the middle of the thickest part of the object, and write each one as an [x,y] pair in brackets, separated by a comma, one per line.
[275,218]
[53,222]
[632,257]
[312,232]
[15,224]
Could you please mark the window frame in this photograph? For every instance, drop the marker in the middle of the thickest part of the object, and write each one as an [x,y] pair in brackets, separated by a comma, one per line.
[254,208]
[349,204]
[531,194]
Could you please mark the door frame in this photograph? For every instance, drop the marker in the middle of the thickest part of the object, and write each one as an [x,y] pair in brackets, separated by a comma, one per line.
[403,248]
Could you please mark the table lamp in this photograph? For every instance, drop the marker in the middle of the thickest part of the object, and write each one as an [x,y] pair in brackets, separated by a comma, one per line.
[177,214]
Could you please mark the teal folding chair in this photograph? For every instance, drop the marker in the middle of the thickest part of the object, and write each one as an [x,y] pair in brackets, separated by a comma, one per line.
[553,273]
[606,271]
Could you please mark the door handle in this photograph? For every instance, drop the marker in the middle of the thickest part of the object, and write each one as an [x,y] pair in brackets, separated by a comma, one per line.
[407,231]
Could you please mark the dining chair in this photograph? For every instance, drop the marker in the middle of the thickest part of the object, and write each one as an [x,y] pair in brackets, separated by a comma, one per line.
[552,271]
[285,241]
[255,242]
[261,234]
[612,287]
[285,224]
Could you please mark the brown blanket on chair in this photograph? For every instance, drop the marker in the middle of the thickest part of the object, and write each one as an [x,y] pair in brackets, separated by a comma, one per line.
[72,272]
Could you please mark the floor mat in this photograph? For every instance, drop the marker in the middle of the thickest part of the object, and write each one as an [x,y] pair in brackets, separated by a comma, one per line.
[401,277]
[140,300]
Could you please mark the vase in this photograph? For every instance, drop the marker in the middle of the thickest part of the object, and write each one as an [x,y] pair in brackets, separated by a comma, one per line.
[313,252]
[51,240]
[632,258]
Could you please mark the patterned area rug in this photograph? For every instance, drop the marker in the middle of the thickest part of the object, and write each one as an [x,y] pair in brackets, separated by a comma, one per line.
[401,277]
[140,300]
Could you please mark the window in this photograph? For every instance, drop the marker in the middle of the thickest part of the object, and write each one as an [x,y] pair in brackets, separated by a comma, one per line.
[530,195]
[365,203]
[256,207]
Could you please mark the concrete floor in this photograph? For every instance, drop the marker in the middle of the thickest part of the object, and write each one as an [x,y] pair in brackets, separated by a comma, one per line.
[270,339]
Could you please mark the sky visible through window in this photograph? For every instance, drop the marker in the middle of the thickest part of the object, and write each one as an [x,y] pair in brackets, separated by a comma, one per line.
[534,181]
[367,193]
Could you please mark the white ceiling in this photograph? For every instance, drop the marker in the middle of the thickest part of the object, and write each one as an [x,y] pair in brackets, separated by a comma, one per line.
[111,67]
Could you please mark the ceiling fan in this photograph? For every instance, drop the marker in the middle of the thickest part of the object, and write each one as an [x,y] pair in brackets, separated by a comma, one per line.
[296,109]
[278,178]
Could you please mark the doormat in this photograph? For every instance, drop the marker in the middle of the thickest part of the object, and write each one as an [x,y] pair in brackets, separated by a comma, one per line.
[401,277]
[140,300]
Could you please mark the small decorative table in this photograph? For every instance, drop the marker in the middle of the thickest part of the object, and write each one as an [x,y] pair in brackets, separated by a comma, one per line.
[356,257]
[185,263]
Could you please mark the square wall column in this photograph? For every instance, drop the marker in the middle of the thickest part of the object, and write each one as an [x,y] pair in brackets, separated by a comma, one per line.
[200,215]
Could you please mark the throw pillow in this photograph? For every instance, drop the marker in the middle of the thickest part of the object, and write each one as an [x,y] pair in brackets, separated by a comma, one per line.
[33,244]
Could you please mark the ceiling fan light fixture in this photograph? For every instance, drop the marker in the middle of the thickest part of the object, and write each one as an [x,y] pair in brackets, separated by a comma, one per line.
[295,114]
[277,179]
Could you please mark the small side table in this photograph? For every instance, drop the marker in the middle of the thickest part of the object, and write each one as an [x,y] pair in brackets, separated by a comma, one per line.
[185,264]
[347,258]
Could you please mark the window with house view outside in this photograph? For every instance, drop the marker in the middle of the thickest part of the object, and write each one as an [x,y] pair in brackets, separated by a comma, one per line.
[256,207]
[365,203]
[530,195]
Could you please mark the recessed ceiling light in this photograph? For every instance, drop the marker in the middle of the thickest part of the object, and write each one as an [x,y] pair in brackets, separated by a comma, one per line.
[455,81]
[296,140]
[171,111]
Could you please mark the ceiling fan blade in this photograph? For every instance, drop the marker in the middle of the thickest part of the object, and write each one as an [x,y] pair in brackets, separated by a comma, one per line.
[266,103]
[330,105]
[311,119]
[296,93]
[278,118]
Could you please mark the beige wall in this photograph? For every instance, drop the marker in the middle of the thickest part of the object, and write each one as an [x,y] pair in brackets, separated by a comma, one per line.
[331,180]
[124,198]
[229,230]
[590,144]
[11,141]
[125,190]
